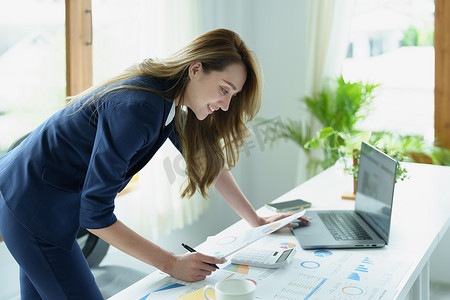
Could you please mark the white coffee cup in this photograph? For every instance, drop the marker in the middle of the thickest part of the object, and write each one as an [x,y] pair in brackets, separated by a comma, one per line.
[232,289]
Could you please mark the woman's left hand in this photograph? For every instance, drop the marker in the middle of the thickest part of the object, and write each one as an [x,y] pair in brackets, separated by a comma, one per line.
[300,222]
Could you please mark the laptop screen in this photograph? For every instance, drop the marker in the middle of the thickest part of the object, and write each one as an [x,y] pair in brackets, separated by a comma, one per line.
[375,189]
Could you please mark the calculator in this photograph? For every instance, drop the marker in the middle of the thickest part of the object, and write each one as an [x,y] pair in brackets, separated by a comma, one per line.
[264,258]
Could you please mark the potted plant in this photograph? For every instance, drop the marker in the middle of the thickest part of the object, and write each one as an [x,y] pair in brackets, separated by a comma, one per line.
[347,146]
[339,105]
[339,108]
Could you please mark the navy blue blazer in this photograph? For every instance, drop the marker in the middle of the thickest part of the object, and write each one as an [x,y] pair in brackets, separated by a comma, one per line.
[69,170]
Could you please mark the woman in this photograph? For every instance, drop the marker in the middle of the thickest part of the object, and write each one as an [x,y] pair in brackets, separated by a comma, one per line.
[68,171]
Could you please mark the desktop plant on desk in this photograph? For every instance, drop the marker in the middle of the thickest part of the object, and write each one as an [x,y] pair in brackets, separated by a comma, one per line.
[338,108]
[411,148]
[347,145]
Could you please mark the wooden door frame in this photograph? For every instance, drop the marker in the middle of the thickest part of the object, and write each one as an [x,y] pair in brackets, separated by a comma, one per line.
[78,46]
[442,73]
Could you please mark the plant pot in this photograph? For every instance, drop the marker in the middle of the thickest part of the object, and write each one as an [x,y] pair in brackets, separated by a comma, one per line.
[351,195]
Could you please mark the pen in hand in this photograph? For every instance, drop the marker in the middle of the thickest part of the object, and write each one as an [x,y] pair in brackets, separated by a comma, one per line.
[190,249]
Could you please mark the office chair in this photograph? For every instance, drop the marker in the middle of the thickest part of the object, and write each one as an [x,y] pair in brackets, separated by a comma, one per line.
[94,249]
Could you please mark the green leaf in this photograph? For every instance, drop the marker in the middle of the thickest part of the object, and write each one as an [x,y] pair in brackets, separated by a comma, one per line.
[326,132]
[312,143]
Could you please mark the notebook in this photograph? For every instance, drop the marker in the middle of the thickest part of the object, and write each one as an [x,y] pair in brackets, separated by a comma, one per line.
[369,223]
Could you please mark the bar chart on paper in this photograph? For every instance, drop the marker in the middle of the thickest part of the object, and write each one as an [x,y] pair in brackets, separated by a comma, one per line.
[301,287]
[340,275]
[311,275]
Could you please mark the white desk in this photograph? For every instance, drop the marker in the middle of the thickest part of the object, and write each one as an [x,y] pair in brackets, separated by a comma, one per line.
[421,217]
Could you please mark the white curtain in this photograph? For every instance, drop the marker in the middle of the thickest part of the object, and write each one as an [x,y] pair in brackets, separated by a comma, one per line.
[328,30]
[125,33]
[160,207]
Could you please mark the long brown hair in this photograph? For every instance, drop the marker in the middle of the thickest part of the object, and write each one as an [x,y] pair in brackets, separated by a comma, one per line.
[212,144]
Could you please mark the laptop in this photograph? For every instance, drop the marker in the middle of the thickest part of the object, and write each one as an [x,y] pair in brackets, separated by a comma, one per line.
[370,222]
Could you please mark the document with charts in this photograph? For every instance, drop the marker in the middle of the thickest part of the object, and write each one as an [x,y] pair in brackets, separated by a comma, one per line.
[311,275]
[334,274]
[223,245]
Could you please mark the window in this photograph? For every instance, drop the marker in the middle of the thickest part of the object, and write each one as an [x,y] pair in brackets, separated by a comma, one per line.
[392,44]
[32,65]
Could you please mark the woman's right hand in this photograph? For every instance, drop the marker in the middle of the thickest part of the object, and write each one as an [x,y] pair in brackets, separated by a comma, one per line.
[193,267]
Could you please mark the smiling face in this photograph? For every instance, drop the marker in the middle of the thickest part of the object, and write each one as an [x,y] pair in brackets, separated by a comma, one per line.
[211,91]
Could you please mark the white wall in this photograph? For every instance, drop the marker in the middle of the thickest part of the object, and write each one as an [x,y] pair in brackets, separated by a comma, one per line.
[276,32]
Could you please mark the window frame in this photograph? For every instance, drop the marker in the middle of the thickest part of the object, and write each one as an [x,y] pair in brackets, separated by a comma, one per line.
[79,40]
[442,76]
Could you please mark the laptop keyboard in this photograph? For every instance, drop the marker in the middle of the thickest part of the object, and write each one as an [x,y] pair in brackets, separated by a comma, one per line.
[343,226]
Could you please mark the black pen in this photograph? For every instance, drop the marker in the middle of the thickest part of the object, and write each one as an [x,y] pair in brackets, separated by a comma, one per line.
[190,249]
